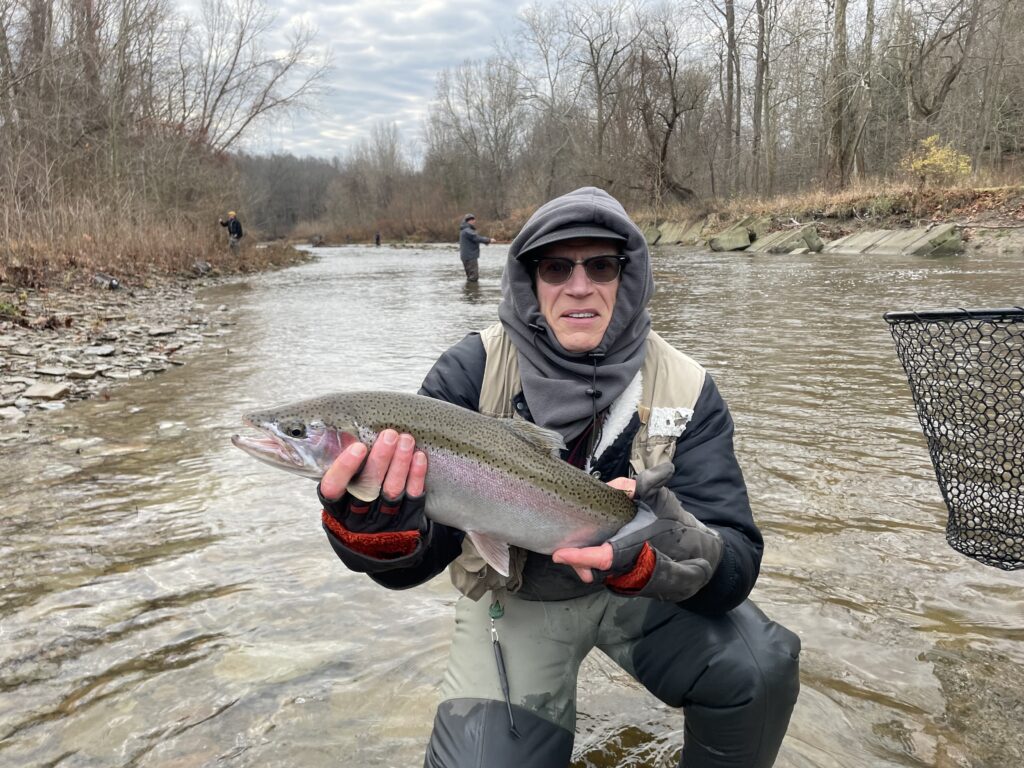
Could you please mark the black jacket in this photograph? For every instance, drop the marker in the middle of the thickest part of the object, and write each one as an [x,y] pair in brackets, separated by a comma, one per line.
[234,227]
[708,482]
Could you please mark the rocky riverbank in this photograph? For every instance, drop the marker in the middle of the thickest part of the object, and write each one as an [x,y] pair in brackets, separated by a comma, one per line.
[62,345]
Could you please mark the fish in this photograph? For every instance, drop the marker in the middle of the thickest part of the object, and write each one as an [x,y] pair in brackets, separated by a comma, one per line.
[501,481]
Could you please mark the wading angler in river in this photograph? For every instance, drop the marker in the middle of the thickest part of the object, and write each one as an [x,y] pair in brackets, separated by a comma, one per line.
[573,359]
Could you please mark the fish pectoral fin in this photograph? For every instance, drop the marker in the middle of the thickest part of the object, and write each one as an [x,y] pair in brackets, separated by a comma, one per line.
[546,440]
[363,490]
[493,551]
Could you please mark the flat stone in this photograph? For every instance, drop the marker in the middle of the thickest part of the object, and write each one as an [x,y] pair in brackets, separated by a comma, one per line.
[672,232]
[52,370]
[941,240]
[117,374]
[11,414]
[82,373]
[166,330]
[100,351]
[44,391]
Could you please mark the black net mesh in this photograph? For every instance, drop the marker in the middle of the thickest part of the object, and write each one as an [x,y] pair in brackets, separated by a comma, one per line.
[966,374]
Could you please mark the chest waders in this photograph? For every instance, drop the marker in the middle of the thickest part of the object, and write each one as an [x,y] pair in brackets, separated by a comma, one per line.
[509,690]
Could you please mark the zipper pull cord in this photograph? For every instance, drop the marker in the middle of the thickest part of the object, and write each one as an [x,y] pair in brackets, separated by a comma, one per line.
[594,393]
[496,612]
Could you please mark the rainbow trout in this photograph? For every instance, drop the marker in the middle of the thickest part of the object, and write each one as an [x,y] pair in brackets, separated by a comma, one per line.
[499,480]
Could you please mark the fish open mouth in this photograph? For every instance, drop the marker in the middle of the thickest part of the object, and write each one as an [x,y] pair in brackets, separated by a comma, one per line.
[269,448]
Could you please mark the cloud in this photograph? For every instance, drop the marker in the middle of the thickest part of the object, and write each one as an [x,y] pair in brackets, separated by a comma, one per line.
[385,57]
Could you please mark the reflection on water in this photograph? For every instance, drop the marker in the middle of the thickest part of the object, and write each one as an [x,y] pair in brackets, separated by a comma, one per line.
[168,601]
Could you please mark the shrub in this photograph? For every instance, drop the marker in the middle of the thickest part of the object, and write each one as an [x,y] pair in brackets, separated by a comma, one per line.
[936,163]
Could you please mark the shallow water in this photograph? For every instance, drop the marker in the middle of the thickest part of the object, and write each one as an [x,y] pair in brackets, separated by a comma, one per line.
[167,601]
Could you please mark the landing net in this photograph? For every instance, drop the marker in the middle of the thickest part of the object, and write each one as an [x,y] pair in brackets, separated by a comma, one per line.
[966,374]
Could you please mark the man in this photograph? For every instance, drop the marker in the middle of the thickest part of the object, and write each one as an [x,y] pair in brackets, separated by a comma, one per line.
[574,352]
[469,247]
[234,231]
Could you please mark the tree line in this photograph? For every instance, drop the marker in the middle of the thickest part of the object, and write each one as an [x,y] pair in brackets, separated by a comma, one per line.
[129,117]
[667,103]
[118,118]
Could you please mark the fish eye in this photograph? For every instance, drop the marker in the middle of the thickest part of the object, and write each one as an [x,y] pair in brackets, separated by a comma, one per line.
[296,430]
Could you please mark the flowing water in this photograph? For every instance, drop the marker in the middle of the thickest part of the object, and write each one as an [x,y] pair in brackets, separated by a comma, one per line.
[168,601]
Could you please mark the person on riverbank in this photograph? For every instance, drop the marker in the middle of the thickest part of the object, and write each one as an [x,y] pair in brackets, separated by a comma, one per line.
[234,231]
[469,247]
[573,352]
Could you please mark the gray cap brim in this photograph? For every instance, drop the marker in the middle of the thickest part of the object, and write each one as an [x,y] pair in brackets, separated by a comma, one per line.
[571,233]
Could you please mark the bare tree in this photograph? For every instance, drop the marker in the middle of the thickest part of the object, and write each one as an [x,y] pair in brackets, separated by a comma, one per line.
[235,81]
[668,88]
[481,108]
[604,38]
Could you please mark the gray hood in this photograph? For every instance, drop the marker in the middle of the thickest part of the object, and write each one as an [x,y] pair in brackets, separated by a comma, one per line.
[555,382]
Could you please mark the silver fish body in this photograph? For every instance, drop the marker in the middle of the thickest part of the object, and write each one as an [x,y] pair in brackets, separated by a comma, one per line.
[499,480]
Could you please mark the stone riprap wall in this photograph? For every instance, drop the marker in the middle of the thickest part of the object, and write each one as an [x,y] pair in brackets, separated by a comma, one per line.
[751,234]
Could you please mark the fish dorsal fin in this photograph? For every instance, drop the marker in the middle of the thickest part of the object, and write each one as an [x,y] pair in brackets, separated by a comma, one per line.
[547,440]
[494,552]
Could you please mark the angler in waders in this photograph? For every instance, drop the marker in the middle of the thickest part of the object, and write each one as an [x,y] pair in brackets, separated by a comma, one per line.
[573,351]
[469,247]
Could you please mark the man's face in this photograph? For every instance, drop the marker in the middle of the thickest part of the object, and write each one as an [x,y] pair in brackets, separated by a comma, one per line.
[578,310]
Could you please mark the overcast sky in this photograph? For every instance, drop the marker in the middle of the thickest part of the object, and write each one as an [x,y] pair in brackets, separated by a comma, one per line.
[385,54]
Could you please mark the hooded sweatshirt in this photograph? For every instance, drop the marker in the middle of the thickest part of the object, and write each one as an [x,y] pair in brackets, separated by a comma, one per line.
[563,387]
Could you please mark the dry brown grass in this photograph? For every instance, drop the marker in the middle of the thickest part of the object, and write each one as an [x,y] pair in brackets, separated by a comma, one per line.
[882,204]
[75,250]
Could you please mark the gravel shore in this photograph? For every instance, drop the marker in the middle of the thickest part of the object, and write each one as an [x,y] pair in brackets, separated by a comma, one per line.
[63,345]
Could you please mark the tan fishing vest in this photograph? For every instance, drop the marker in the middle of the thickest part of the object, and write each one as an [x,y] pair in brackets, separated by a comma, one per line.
[671,382]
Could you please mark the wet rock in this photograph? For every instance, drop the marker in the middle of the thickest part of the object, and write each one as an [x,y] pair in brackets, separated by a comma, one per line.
[164,331]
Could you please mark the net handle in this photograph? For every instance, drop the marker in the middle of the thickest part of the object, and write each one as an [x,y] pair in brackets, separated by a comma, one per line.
[958,313]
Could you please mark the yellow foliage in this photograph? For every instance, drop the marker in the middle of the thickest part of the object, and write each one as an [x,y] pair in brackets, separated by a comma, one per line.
[936,163]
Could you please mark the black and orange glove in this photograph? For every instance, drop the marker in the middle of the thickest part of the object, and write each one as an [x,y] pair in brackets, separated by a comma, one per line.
[671,556]
[376,535]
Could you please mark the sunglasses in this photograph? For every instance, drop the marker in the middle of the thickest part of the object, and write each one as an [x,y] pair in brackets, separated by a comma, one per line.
[600,269]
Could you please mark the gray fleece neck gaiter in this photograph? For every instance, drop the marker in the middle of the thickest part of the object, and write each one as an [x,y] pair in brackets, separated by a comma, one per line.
[562,388]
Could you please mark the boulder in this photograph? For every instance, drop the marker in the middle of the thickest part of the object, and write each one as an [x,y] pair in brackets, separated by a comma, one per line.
[740,235]
[733,239]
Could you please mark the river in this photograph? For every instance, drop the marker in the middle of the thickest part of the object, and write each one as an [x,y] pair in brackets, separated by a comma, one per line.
[168,601]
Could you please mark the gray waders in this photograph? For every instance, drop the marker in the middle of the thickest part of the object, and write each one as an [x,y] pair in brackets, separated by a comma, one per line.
[735,676]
